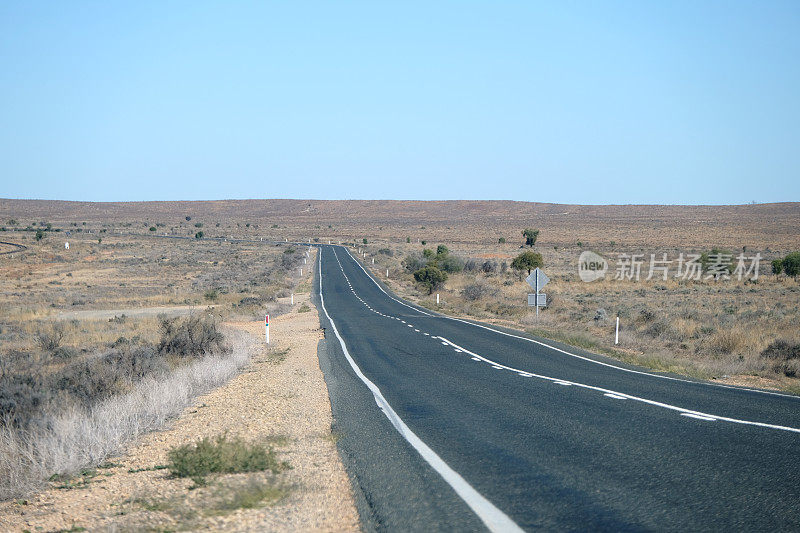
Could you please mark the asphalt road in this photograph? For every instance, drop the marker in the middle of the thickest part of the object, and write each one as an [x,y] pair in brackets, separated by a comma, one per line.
[449,425]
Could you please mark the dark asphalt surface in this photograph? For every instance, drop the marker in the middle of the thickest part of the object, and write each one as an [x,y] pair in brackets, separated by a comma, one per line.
[548,455]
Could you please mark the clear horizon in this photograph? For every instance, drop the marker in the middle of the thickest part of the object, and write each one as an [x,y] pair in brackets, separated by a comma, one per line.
[585,104]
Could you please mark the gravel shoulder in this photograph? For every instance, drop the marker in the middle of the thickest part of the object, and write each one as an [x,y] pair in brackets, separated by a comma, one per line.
[279,398]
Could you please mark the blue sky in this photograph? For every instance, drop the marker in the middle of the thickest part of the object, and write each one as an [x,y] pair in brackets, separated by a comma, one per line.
[572,102]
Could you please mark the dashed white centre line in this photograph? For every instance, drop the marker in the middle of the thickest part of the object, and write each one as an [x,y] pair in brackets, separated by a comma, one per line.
[699,417]
[615,396]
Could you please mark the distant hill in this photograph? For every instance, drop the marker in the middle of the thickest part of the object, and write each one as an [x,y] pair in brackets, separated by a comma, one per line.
[774,225]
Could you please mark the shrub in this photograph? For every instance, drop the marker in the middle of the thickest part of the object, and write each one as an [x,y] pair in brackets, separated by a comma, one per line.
[475,291]
[530,235]
[722,257]
[192,336]
[289,260]
[49,338]
[412,263]
[221,456]
[442,251]
[785,355]
[152,228]
[364,241]
[501,240]
[791,264]
[39,235]
[386,251]
[199,235]
[200,225]
[408,239]
[211,295]
[777,266]
[450,264]
[527,261]
[489,267]
[431,277]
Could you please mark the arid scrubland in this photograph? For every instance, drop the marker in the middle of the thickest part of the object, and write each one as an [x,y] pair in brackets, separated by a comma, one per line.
[726,329]
[63,310]
[78,377]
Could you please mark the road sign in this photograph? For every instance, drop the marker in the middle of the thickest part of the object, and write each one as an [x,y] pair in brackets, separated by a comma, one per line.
[541,297]
[543,279]
[537,279]
[266,328]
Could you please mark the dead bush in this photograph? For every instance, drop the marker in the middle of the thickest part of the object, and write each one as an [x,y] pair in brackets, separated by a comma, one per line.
[726,341]
[191,337]
[475,291]
[785,356]
[49,337]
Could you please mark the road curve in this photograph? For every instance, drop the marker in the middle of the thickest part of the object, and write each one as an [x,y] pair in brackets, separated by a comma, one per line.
[446,424]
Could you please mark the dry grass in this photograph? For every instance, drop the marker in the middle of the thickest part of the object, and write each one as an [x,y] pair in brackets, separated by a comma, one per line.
[702,328]
[120,365]
[86,436]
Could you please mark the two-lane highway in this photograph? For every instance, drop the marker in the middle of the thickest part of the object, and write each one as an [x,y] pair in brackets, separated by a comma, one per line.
[446,424]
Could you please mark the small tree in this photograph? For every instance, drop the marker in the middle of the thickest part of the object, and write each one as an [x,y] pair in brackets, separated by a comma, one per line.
[791,264]
[527,261]
[152,228]
[501,240]
[777,266]
[530,235]
[188,219]
[364,240]
[408,239]
[431,277]
[442,251]
[199,235]
[39,235]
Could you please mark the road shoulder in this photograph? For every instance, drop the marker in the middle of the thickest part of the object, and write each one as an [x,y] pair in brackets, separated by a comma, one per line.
[280,398]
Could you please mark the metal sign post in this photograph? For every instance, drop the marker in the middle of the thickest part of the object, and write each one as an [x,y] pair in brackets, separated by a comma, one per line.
[537,279]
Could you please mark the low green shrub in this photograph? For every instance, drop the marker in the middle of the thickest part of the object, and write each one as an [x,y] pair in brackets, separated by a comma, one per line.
[221,456]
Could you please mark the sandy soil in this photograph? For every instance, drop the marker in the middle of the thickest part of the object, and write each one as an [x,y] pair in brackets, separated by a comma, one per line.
[280,398]
[102,314]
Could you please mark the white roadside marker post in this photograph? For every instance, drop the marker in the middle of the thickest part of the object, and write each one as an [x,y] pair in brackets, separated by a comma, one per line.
[437,298]
[301,272]
[373,260]
[387,273]
[616,333]
[266,328]
[292,298]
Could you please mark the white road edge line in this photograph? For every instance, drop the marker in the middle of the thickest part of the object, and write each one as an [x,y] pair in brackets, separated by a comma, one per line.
[492,517]
[682,410]
[589,359]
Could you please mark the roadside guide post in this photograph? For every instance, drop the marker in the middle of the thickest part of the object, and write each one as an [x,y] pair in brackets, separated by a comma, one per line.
[616,332]
[266,327]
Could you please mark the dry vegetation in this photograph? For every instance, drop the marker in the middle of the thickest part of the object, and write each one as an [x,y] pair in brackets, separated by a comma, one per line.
[73,390]
[145,255]
[704,328]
